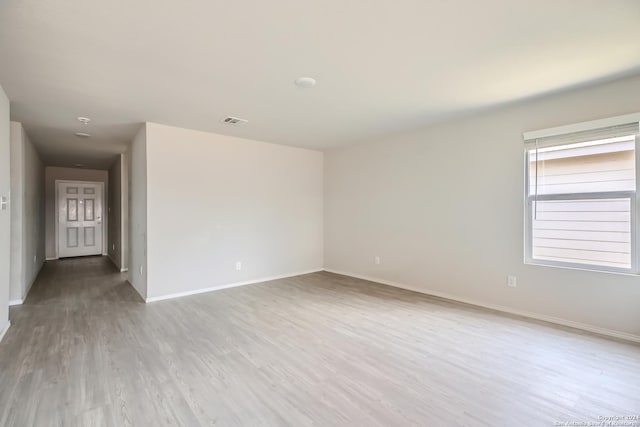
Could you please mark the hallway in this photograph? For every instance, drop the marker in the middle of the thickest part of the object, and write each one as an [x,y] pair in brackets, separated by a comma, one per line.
[63,342]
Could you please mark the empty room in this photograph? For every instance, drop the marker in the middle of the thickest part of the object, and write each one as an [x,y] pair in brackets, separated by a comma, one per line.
[293,213]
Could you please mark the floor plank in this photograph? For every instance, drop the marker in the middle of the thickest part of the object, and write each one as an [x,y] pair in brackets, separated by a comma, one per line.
[313,350]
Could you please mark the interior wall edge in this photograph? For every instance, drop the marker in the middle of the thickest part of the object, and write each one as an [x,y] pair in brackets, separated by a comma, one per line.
[17,178]
[114,262]
[30,284]
[144,299]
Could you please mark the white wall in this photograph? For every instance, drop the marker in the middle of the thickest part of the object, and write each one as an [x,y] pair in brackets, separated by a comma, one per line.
[118,212]
[17,227]
[444,209]
[214,200]
[27,222]
[5,215]
[124,212]
[51,175]
[138,213]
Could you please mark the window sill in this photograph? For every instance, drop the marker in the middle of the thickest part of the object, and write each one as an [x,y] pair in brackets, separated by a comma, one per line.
[586,268]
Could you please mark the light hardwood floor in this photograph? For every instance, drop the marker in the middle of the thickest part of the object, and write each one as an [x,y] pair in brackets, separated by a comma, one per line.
[313,350]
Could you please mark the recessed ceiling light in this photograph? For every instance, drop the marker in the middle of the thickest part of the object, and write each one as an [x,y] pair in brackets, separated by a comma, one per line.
[305,82]
[84,120]
[83,135]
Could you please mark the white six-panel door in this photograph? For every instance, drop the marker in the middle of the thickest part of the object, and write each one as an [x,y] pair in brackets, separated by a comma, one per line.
[79,218]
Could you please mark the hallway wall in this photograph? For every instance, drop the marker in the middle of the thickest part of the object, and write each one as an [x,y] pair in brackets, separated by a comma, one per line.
[118,212]
[5,215]
[51,175]
[27,214]
[137,167]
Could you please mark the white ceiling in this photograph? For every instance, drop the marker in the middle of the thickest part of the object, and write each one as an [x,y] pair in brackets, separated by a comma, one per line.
[382,66]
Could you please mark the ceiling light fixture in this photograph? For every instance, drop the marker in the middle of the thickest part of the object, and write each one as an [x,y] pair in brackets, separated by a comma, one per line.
[84,120]
[83,135]
[305,82]
[234,120]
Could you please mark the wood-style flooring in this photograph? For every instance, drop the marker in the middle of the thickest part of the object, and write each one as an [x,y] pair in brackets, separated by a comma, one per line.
[313,350]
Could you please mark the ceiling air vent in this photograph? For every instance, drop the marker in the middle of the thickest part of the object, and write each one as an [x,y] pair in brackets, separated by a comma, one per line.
[234,120]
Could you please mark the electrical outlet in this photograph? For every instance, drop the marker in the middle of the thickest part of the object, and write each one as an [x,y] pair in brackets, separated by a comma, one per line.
[511,281]
[35,259]
[376,260]
[238,265]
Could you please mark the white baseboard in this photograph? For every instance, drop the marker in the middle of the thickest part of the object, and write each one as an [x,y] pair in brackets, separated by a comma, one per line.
[230,285]
[2,334]
[15,302]
[537,316]
[51,258]
[124,270]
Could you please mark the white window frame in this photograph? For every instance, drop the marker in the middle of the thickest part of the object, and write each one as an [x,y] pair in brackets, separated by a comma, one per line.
[632,195]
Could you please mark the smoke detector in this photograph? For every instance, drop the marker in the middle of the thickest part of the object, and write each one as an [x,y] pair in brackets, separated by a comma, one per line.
[305,82]
[234,120]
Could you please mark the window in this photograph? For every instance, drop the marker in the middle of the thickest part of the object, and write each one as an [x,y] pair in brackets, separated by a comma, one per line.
[581,205]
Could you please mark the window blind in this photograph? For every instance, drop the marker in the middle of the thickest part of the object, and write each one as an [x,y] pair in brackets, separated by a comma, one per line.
[621,130]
